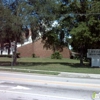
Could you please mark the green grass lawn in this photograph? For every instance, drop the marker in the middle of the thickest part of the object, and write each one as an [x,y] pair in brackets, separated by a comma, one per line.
[64,60]
[63,65]
[63,68]
[40,60]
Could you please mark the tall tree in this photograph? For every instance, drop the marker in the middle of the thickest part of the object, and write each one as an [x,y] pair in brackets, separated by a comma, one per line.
[86,32]
[13,21]
[4,17]
[81,18]
[38,14]
[45,13]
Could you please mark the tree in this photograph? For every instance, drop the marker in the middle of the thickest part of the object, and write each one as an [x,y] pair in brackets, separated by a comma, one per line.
[86,32]
[38,14]
[13,21]
[52,41]
[94,23]
[4,17]
[81,19]
[45,13]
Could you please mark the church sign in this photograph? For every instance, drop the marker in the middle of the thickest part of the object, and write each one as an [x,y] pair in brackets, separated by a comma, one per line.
[94,54]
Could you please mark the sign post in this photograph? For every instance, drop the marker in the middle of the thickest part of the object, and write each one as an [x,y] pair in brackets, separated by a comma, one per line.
[94,54]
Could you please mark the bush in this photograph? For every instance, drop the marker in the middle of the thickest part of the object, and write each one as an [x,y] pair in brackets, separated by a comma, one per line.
[33,55]
[56,55]
[18,55]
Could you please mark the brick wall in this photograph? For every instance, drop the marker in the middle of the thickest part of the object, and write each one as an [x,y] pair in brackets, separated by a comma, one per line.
[39,51]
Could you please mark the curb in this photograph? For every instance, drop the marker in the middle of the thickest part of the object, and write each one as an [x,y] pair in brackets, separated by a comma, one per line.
[61,74]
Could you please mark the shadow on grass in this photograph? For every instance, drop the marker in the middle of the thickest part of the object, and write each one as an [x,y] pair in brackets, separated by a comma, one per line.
[77,65]
[73,65]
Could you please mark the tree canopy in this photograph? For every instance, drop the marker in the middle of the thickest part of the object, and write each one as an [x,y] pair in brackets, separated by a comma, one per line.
[17,15]
[12,15]
[78,18]
[86,31]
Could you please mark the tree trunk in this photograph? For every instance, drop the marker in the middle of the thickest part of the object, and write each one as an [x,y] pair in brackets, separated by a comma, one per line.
[81,58]
[2,47]
[14,53]
[9,46]
[54,48]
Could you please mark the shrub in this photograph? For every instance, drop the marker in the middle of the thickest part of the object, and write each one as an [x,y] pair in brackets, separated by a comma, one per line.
[33,55]
[18,55]
[56,55]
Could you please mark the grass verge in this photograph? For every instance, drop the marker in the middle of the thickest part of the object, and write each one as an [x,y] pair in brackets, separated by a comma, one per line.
[59,67]
[30,71]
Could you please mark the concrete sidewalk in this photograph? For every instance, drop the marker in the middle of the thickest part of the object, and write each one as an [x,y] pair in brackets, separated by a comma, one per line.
[79,75]
[61,74]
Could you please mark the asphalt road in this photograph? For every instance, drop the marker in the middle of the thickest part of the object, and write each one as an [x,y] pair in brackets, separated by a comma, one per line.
[21,86]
